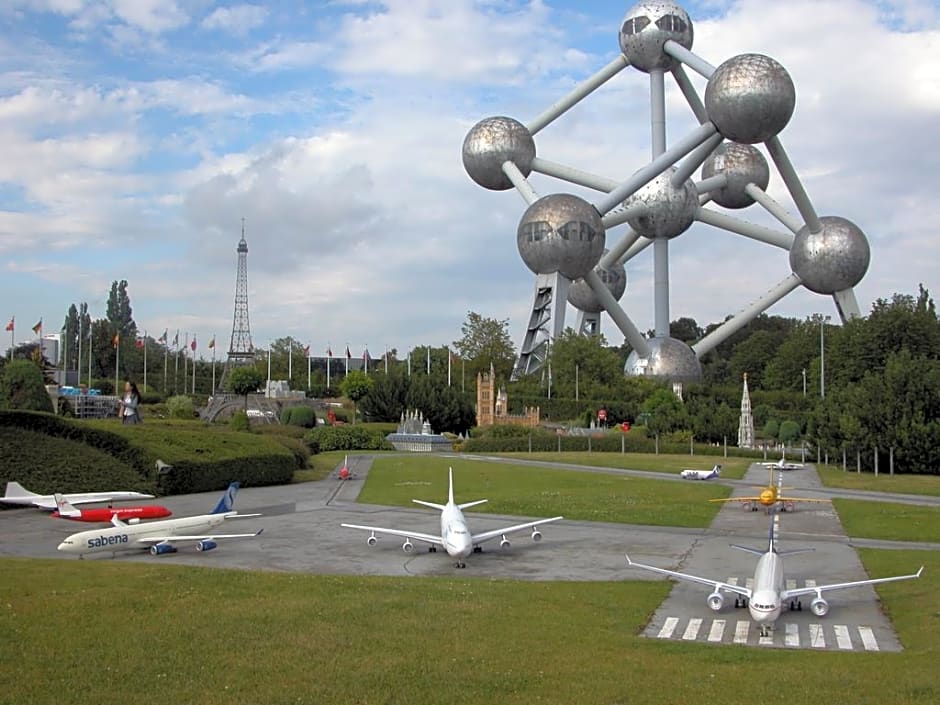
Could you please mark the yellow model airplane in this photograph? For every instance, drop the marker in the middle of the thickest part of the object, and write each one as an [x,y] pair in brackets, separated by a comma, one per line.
[770,497]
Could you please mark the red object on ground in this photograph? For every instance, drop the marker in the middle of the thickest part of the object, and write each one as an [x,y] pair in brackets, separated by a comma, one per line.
[602,415]
[625,426]
[344,473]
[104,514]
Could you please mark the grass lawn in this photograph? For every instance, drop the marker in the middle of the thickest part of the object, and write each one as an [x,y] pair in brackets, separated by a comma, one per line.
[884,520]
[542,492]
[733,468]
[835,476]
[97,631]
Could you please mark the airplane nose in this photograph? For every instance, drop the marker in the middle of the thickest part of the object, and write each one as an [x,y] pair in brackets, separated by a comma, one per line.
[63,546]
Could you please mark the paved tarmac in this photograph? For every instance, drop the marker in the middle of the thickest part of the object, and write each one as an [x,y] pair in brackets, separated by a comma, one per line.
[302,533]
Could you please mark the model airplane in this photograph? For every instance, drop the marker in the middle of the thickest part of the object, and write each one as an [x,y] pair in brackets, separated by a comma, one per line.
[768,596]
[159,536]
[17,494]
[66,510]
[455,536]
[701,474]
[782,464]
[771,496]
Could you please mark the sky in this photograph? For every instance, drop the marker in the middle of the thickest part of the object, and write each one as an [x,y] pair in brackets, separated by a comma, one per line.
[138,134]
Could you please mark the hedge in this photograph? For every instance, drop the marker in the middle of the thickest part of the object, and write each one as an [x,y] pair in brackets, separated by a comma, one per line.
[325,438]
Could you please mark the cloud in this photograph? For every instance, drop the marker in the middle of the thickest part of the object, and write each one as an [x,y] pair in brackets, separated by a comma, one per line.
[238,19]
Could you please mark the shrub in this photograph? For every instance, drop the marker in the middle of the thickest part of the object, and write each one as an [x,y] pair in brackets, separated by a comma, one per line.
[239,421]
[21,387]
[181,407]
[302,416]
[103,385]
[326,438]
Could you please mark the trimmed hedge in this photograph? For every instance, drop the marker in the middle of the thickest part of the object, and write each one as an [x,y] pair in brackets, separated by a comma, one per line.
[325,438]
[302,416]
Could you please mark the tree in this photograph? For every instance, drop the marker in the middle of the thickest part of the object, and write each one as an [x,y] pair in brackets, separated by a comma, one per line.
[355,386]
[486,341]
[386,400]
[21,387]
[789,431]
[583,366]
[244,380]
[665,412]
[70,339]
[119,312]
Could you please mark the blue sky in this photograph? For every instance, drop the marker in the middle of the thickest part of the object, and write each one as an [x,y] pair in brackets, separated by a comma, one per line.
[138,133]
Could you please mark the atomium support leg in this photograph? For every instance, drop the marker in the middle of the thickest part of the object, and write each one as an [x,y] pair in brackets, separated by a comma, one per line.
[545,324]
[846,304]
[588,324]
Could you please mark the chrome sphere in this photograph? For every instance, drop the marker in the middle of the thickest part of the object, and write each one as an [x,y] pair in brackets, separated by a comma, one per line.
[833,259]
[561,233]
[582,297]
[490,143]
[670,209]
[669,359]
[647,26]
[742,165]
[750,98]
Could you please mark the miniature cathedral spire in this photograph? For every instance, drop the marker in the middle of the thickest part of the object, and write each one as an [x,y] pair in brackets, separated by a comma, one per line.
[746,422]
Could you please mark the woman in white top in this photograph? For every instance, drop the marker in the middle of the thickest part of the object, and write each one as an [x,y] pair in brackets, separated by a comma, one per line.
[128,411]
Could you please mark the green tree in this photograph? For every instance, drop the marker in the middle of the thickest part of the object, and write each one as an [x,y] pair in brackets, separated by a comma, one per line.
[485,341]
[664,411]
[21,387]
[119,312]
[583,366]
[356,385]
[771,429]
[386,400]
[244,380]
[789,431]
[70,339]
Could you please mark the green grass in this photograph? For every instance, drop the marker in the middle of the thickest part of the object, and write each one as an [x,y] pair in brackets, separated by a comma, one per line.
[889,521]
[542,492]
[732,468]
[93,631]
[835,476]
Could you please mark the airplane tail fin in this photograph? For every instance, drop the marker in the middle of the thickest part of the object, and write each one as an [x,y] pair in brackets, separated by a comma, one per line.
[450,485]
[717,469]
[65,507]
[228,499]
[15,489]
[771,543]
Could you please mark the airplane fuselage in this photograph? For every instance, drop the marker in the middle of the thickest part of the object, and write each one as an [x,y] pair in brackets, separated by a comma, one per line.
[455,534]
[125,538]
[48,501]
[767,593]
[104,514]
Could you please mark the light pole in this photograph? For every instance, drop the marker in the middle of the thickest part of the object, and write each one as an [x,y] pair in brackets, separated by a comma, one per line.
[822,321]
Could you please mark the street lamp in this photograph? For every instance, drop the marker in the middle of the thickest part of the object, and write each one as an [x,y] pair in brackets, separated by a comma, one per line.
[822,321]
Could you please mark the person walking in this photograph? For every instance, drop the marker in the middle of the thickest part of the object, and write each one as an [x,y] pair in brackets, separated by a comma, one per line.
[129,410]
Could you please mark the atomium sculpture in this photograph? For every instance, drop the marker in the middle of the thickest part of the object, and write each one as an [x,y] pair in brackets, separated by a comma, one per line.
[563,238]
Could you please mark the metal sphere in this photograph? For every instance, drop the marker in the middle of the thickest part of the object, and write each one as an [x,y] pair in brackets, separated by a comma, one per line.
[750,98]
[670,209]
[742,165]
[647,26]
[834,259]
[490,143]
[669,359]
[582,297]
[561,233]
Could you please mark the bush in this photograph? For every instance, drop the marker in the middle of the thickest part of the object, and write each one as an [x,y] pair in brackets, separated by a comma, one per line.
[325,438]
[22,387]
[239,421]
[181,407]
[302,416]
[103,385]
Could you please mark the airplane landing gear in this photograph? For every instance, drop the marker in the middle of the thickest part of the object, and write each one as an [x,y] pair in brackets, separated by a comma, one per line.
[765,630]
[478,549]
[432,549]
[461,564]
[796,605]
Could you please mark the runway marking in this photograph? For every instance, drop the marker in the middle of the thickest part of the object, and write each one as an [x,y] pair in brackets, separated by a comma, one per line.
[740,631]
[668,628]
[749,583]
[868,639]
[732,581]
[718,630]
[843,640]
[766,640]
[791,584]
[817,639]
[792,636]
[810,583]
[691,629]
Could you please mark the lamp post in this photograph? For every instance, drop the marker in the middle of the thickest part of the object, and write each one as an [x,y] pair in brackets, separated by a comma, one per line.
[822,321]
[804,381]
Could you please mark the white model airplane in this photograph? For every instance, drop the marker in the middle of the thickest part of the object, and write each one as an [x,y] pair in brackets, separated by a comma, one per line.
[17,494]
[159,536]
[455,536]
[782,464]
[768,596]
[701,474]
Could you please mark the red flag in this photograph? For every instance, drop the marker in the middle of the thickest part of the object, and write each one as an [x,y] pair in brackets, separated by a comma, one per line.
[193,344]
[348,354]
[306,351]
[116,340]
[10,324]
[139,343]
[37,329]
[329,352]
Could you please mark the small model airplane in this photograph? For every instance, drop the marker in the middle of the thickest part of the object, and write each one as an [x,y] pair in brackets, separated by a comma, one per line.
[17,494]
[455,536]
[159,536]
[782,464]
[343,473]
[771,496]
[768,596]
[701,474]
[66,510]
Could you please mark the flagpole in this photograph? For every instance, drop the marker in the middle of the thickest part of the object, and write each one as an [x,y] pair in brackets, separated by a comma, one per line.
[212,391]
[347,359]
[448,366]
[145,358]
[365,358]
[429,360]
[166,349]
[463,370]
[176,361]
[329,358]
[12,335]
[78,366]
[386,360]
[194,363]
[409,363]
[267,390]
[290,359]
[65,355]
[117,362]
[308,370]
[89,352]
[185,359]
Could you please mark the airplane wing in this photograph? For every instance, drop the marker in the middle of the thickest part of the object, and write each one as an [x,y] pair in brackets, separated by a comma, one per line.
[736,499]
[819,589]
[487,535]
[204,537]
[417,535]
[50,504]
[714,584]
[803,499]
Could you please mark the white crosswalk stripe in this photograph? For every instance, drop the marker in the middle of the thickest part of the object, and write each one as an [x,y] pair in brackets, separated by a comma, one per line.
[791,584]
[691,629]
[749,583]
[732,580]
[740,632]
[766,640]
[817,639]
[868,639]
[668,628]
[843,640]
[810,582]
[792,635]
[718,630]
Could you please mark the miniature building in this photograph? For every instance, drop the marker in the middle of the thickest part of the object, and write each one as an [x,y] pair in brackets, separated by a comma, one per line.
[414,433]
[746,422]
[493,406]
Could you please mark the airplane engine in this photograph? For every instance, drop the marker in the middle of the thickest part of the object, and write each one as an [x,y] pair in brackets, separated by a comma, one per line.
[205,545]
[819,606]
[504,543]
[407,547]
[372,540]
[716,601]
[536,535]
[158,549]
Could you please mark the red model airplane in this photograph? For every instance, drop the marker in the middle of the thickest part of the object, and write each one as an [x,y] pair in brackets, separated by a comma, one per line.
[104,514]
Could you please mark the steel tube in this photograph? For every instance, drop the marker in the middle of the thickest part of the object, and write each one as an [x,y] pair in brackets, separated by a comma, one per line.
[794,186]
[742,227]
[630,332]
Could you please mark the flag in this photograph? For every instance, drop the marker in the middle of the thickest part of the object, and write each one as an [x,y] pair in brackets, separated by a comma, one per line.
[192,345]
[162,339]
[37,329]
[10,324]
[176,339]
[306,351]
[348,354]
[365,355]
[139,343]
[116,340]
[212,343]
[329,351]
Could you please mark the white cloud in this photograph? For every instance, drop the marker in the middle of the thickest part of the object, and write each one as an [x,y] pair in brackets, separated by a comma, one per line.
[238,19]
